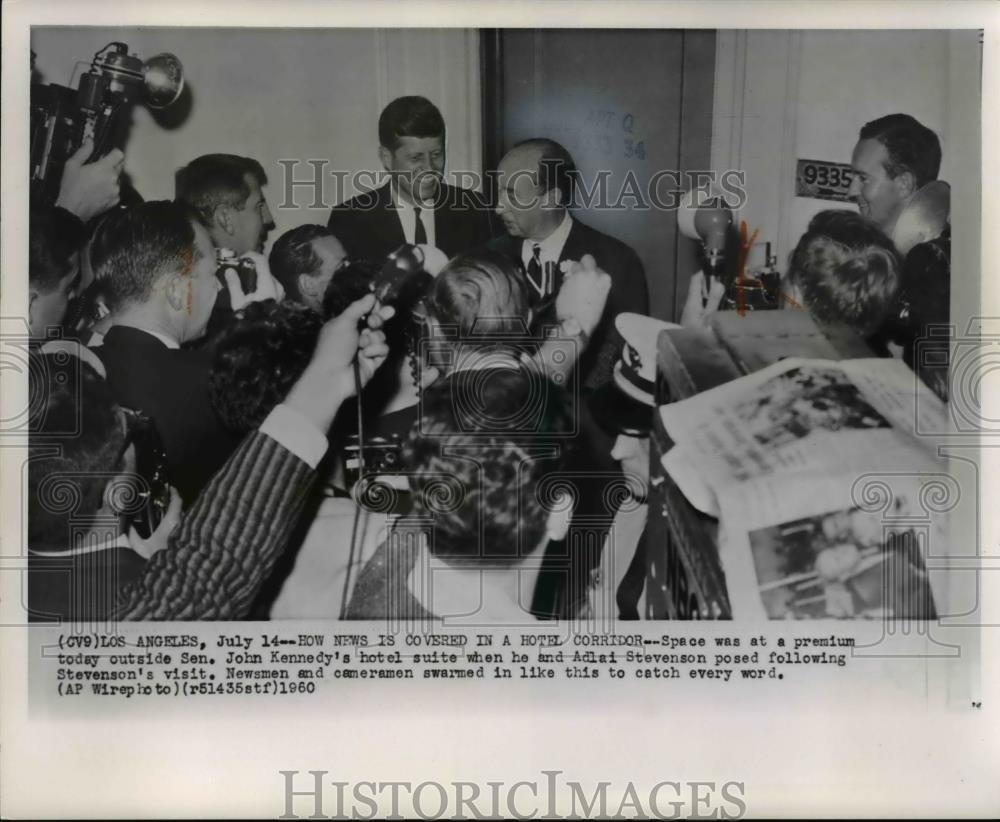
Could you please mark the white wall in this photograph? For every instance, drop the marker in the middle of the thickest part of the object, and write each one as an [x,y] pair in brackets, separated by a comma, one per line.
[782,95]
[286,93]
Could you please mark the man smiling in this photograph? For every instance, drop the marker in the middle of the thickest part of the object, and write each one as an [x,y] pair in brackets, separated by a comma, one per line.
[416,205]
[895,156]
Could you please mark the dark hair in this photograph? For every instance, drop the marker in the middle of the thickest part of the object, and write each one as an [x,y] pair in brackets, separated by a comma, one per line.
[216,179]
[135,248]
[556,168]
[409,117]
[480,479]
[258,358]
[848,270]
[480,293]
[75,444]
[926,296]
[54,236]
[102,243]
[293,254]
[349,283]
[911,146]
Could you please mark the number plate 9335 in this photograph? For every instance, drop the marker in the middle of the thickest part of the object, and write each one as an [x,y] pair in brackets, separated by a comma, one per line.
[822,180]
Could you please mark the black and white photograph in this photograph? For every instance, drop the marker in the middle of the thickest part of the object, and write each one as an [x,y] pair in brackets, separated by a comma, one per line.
[801,401]
[843,564]
[347,341]
[201,223]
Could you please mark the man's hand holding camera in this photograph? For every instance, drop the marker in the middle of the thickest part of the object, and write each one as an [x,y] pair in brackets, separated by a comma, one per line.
[160,538]
[268,288]
[89,189]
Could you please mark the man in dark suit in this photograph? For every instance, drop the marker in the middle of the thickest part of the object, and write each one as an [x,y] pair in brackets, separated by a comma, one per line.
[535,191]
[227,192]
[212,564]
[895,156]
[158,265]
[416,205]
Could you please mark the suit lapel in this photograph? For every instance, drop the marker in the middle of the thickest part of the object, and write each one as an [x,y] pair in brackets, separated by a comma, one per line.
[389,223]
[572,249]
[510,246]
[128,339]
[444,224]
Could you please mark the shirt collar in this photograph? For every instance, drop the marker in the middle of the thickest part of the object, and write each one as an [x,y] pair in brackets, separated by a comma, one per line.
[550,249]
[169,342]
[401,203]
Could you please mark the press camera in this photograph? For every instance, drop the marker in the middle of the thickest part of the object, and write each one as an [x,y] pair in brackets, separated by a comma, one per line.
[226,259]
[100,109]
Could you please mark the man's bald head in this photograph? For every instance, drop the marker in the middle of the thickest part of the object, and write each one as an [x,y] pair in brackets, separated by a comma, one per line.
[536,179]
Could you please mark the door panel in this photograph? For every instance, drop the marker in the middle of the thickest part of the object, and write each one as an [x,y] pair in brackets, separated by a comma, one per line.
[627,104]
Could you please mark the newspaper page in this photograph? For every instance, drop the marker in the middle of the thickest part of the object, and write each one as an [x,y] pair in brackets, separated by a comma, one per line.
[297,655]
[800,416]
[803,548]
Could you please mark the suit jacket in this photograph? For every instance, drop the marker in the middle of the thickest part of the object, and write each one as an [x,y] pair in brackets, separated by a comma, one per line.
[78,587]
[629,292]
[171,387]
[369,228]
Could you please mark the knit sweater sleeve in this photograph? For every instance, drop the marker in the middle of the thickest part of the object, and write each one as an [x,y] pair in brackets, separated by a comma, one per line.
[226,544]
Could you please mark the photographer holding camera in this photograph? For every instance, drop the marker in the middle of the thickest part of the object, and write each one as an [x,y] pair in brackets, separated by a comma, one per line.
[158,268]
[225,190]
[88,189]
[81,478]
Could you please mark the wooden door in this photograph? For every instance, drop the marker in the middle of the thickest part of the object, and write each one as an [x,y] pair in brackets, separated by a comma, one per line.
[628,104]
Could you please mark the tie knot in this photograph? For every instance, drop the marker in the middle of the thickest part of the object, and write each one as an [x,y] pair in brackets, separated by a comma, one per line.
[536,251]
[416,210]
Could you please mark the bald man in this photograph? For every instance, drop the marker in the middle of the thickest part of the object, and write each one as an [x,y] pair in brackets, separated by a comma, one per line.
[536,180]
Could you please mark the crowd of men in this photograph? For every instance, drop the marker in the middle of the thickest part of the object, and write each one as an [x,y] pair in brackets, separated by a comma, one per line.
[518,380]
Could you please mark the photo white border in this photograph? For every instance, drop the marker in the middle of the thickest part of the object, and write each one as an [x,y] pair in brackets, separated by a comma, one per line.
[800,754]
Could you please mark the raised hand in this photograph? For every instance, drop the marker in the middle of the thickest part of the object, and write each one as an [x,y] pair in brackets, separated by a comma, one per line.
[702,302]
[583,294]
[89,189]
[329,378]
[268,288]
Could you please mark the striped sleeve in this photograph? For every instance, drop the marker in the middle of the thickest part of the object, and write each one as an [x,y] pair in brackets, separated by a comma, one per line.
[226,544]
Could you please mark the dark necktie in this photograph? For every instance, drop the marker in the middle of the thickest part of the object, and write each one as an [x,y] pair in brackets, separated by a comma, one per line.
[535,269]
[420,235]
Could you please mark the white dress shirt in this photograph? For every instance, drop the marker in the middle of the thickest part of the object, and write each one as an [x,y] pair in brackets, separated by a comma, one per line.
[551,247]
[408,219]
[169,342]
